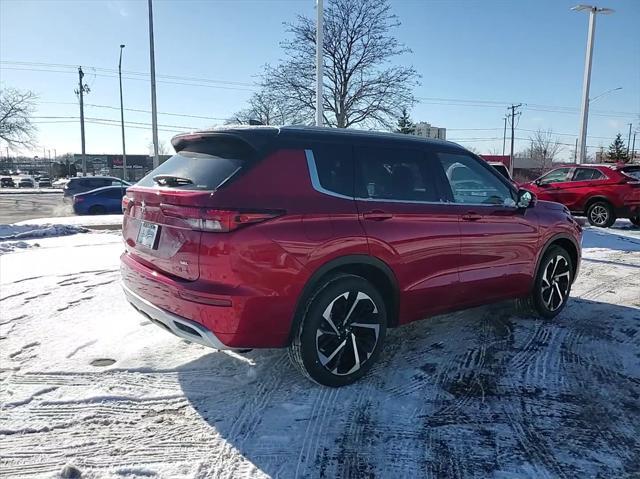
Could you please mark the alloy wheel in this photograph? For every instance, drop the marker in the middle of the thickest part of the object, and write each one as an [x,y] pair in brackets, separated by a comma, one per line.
[599,215]
[348,333]
[556,280]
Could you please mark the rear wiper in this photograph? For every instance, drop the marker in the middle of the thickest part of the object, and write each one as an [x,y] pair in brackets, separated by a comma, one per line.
[169,180]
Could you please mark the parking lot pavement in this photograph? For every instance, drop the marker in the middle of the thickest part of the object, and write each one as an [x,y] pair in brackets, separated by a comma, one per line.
[16,207]
[478,393]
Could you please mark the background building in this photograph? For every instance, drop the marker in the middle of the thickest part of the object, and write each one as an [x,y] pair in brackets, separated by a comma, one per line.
[425,130]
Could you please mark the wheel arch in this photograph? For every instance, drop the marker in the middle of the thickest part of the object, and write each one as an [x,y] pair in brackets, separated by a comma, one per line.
[568,244]
[370,268]
[594,199]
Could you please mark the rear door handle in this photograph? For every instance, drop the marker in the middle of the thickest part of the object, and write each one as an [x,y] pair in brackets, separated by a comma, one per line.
[377,215]
[471,216]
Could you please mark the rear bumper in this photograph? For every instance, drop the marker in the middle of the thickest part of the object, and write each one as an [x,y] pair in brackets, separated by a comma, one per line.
[237,317]
[181,327]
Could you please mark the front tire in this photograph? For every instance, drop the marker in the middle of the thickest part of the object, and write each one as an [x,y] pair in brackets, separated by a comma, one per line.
[601,214]
[341,333]
[552,285]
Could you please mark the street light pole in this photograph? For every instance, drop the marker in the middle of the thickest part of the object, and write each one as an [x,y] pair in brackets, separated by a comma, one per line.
[319,63]
[154,111]
[124,151]
[629,139]
[584,116]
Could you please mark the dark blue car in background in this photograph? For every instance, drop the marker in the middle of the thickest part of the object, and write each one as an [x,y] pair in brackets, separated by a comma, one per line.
[100,201]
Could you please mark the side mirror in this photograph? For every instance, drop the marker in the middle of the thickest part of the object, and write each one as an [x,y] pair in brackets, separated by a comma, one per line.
[526,199]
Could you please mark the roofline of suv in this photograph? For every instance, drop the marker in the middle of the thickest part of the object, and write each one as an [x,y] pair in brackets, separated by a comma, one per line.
[247,134]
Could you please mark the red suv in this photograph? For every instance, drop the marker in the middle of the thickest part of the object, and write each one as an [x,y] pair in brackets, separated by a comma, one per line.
[320,239]
[601,192]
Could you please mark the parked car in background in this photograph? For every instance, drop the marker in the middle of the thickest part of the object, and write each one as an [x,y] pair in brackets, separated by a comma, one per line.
[60,182]
[355,232]
[44,182]
[26,182]
[502,169]
[601,192]
[100,201]
[7,182]
[87,183]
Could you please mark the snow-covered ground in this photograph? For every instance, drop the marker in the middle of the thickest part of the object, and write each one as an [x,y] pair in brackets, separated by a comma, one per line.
[88,221]
[85,380]
[26,191]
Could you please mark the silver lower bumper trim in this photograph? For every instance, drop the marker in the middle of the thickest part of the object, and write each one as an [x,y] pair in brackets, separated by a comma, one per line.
[181,327]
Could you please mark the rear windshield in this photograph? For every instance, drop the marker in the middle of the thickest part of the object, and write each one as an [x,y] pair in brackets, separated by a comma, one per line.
[194,171]
[632,171]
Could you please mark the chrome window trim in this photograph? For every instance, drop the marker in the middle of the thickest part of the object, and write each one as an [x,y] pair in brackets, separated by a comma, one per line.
[315,182]
[315,179]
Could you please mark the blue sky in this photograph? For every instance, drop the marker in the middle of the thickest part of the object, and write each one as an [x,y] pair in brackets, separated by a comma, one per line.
[486,53]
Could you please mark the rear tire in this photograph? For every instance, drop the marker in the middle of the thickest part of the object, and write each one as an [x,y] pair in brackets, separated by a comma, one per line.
[341,333]
[552,285]
[97,210]
[601,214]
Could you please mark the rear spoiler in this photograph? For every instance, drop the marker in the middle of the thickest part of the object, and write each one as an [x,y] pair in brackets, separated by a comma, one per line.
[257,138]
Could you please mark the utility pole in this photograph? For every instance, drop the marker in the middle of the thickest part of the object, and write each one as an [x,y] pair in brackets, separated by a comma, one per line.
[124,151]
[319,62]
[575,153]
[586,82]
[82,89]
[154,111]
[633,148]
[504,135]
[513,115]
[629,139]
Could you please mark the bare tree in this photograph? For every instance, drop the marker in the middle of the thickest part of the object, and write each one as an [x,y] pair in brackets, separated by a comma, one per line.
[163,149]
[360,87]
[16,108]
[544,148]
[268,110]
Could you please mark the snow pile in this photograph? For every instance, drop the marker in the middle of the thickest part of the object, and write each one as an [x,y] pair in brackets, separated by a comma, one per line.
[30,231]
[86,221]
[9,246]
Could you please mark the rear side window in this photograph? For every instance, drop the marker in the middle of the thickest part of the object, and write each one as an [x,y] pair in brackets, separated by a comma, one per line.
[334,168]
[394,174]
[202,165]
[586,174]
[632,171]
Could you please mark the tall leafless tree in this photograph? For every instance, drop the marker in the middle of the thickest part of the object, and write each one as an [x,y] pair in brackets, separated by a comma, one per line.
[268,110]
[16,109]
[544,148]
[361,86]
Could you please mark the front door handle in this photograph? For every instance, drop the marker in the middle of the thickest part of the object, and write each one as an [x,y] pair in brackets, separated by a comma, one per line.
[377,215]
[471,216]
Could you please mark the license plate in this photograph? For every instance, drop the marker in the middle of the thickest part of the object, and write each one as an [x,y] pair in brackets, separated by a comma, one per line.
[148,234]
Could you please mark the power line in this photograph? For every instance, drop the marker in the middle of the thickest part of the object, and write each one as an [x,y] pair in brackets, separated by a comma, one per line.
[247,86]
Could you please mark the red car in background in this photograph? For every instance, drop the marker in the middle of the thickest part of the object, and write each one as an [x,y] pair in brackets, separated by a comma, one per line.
[600,192]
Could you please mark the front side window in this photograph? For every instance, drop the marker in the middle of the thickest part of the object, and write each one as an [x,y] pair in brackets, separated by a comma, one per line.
[334,168]
[586,174]
[555,176]
[472,183]
[394,174]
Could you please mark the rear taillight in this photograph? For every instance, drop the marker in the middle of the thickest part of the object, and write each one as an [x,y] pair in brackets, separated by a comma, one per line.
[216,220]
[125,203]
